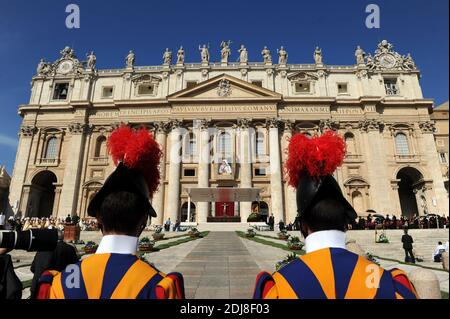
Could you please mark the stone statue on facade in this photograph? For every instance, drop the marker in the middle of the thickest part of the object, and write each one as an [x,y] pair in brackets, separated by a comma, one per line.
[43,68]
[282,56]
[243,54]
[318,55]
[167,57]
[130,59]
[92,59]
[266,55]
[360,55]
[180,55]
[225,51]
[67,53]
[204,53]
[408,62]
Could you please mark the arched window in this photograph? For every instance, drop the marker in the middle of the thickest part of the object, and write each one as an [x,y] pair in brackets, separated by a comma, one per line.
[100,147]
[51,149]
[191,145]
[224,144]
[350,142]
[260,149]
[401,144]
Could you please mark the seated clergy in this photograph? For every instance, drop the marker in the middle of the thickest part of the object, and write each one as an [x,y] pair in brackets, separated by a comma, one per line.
[327,270]
[122,208]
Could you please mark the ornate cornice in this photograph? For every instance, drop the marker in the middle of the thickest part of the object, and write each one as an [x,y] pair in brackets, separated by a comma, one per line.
[174,124]
[77,128]
[162,127]
[27,131]
[244,123]
[427,127]
[328,124]
[371,125]
[273,123]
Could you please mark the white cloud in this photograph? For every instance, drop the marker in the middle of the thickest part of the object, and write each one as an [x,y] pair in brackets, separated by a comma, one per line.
[8,141]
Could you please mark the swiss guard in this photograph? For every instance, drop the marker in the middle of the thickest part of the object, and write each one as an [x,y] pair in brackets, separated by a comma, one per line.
[122,208]
[327,270]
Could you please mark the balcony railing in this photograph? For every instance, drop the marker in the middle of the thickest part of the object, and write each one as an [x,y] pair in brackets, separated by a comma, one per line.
[407,158]
[48,162]
[100,160]
[353,158]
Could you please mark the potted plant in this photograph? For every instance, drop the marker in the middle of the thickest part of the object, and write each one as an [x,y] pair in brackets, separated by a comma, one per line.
[383,239]
[283,235]
[90,247]
[250,233]
[194,232]
[294,243]
[284,262]
[253,218]
[158,234]
[145,244]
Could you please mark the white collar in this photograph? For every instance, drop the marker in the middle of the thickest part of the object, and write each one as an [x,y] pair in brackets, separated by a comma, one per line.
[118,244]
[324,239]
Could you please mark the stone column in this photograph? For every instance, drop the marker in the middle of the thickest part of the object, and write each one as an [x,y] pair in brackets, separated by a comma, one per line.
[72,172]
[56,201]
[291,192]
[20,167]
[158,197]
[203,169]
[276,188]
[173,197]
[245,164]
[376,162]
[430,153]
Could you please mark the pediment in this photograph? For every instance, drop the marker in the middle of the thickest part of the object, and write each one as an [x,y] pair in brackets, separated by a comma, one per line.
[224,87]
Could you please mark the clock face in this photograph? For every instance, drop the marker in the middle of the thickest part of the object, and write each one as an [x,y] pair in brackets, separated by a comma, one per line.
[65,67]
[387,61]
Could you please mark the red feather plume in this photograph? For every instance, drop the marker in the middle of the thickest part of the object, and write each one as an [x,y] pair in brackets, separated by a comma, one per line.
[138,150]
[318,156]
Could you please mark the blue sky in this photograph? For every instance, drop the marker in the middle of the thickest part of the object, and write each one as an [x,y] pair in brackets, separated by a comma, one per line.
[30,30]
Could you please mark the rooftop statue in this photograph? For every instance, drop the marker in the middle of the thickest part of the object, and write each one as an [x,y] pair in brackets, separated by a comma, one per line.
[92,59]
[360,55]
[129,60]
[180,55]
[167,57]
[318,55]
[204,53]
[225,51]
[266,55]
[243,54]
[282,56]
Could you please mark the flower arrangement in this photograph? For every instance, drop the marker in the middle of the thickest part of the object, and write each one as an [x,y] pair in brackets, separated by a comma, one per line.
[289,258]
[383,239]
[194,232]
[250,233]
[294,243]
[145,244]
[158,234]
[90,247]
[283,235]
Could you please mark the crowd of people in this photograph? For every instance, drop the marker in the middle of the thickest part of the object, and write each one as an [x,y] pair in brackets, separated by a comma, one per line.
[26,223]
[388,222]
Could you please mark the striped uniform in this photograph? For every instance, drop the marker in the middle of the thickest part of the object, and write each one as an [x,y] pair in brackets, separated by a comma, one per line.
[333,273]
[111,276]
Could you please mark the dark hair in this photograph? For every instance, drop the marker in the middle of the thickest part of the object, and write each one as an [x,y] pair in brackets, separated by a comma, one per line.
[326,214]
[122,212]
[440,243]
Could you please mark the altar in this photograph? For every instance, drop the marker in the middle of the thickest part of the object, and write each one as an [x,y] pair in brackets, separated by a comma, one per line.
[224,199]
